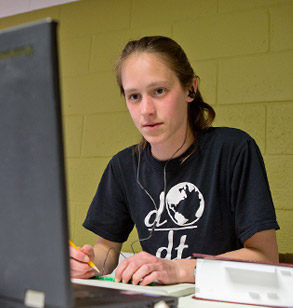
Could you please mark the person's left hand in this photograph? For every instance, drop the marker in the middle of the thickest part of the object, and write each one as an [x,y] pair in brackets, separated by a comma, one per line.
[144,268]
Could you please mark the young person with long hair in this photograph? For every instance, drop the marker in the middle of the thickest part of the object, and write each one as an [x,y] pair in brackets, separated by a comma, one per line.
[188,187]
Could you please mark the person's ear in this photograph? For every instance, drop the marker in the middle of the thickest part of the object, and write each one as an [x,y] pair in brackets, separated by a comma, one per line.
[191,93]
[192,90]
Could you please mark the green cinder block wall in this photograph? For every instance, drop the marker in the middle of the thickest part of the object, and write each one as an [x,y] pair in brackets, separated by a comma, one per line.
[242,51]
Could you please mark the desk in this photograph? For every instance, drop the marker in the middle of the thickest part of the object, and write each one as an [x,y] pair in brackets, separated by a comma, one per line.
[189,302]
[184,301]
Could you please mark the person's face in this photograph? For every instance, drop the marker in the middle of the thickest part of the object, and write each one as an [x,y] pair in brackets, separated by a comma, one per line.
[155,99]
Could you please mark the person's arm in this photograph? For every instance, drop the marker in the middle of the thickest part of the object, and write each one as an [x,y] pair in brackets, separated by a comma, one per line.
[262,246]
[144,268]
[106,255]
[79,259]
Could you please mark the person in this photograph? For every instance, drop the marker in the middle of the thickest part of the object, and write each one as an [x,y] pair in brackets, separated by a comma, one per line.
[188,187]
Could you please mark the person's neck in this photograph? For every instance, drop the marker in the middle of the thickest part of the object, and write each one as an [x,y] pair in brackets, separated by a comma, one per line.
[165,152]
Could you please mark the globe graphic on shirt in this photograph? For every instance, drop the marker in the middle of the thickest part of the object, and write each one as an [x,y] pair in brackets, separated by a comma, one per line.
[185,204]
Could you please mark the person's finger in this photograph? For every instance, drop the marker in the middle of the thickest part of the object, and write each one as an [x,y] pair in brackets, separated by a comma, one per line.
[78,255]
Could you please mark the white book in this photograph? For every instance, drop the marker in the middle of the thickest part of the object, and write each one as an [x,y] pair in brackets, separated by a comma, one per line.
[239,281]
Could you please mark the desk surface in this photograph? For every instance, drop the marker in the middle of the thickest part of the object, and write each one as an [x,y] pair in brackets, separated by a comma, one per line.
[184,301]
[188,302]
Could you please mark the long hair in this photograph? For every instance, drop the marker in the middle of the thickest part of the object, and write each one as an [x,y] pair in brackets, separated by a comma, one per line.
[200,114]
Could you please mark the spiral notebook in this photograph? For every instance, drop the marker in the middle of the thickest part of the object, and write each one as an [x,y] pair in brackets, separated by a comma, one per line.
[34,262]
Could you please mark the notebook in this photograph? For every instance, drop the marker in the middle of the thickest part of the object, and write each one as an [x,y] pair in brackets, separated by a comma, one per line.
[34,258]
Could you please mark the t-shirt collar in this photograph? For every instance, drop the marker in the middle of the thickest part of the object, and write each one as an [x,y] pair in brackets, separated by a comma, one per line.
[172,164]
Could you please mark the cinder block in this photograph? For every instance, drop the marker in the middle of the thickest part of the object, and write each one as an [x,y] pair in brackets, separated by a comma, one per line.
[265,78]
[207,71]
[74,56]
[250,118]
[285,234]
[143,12]
[189,9]
[93,93]
[71,215]
[107,134]
[108,46]
[280,173]
[80,234]
[231,5]
[226,35]
[280,128]
[281,28]
[92,16]
[106,49]
[72,127]
[83,175]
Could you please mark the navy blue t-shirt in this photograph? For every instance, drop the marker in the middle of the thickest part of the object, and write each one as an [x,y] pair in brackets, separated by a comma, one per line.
[215,199]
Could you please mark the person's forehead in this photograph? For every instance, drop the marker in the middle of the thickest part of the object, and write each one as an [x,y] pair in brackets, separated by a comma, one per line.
[154,57]
[146,73]
[148,63]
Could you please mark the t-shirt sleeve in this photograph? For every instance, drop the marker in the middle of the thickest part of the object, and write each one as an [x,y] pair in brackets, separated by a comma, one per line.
[251,199]
[108,215]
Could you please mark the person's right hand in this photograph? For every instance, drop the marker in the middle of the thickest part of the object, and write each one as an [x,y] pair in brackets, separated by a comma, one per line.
[79,266]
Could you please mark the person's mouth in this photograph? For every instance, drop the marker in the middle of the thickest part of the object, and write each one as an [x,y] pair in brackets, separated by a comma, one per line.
[152,125]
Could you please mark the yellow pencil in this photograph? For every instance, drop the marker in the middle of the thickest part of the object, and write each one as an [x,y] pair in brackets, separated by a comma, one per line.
[90,263]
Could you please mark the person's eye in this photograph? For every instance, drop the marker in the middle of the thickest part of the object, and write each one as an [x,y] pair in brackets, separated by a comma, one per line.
[160,91]
[133,97]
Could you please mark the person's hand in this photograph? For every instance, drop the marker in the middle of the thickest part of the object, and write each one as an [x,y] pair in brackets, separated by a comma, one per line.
[79,259]
[144,268]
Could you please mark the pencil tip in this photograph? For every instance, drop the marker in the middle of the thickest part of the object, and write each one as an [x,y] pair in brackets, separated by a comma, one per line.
[96,269]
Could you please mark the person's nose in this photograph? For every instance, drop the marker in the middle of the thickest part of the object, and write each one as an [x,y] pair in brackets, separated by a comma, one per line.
[147,106]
